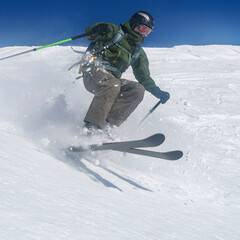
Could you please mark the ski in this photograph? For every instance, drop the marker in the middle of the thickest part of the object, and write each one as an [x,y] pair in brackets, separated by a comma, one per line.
[173,155]
[152,141]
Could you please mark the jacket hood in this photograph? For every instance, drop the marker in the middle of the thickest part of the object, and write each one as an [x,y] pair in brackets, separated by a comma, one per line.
[130,34]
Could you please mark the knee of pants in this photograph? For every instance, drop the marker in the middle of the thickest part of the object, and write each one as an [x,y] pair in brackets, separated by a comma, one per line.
[110,91]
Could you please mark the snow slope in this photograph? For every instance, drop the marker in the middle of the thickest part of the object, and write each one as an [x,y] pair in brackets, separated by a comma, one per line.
[45,194]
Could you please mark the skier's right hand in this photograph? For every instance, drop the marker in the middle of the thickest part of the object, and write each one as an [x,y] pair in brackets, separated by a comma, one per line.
[101,30]
[158,93]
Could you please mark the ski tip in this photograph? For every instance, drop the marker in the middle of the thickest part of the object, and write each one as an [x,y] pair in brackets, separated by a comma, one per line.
[159,135]
[180,153]
[177,155]
[158,138]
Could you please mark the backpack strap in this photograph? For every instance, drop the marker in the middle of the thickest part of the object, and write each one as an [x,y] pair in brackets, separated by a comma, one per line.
[117,38]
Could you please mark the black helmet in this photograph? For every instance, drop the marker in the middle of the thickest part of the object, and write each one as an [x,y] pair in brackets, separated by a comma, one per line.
[142,18]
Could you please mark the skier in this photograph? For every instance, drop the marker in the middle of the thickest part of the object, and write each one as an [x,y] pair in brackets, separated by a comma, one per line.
[113,49]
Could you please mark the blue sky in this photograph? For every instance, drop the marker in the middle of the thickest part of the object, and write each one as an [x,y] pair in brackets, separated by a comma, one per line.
[177,22]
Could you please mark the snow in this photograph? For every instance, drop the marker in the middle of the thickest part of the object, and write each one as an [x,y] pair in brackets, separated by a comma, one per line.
[45,194]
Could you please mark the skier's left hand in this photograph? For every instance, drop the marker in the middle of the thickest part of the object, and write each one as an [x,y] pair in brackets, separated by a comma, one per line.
[101,30]
[158,93]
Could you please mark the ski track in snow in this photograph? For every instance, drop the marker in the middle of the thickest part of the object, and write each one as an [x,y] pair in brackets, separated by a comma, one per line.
[47,194]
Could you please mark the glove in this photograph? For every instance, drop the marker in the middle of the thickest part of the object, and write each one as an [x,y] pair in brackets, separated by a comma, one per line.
[158,93]
[100,30]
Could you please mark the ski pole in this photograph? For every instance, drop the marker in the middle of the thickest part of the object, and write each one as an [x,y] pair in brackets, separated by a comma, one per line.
[155,106]
[49,45]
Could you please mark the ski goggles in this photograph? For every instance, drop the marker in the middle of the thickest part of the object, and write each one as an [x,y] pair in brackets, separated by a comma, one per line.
[143,30]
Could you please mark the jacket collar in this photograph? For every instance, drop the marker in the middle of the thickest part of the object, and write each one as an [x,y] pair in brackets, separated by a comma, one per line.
[132,36]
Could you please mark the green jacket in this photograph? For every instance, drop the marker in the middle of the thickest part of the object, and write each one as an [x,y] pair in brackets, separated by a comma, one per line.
[118,58]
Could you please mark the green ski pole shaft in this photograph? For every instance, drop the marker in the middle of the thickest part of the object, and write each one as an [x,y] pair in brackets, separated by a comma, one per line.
[155,106]
[49,45]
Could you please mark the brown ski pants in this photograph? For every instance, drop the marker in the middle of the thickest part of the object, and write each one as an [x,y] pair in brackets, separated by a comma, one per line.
[114,99]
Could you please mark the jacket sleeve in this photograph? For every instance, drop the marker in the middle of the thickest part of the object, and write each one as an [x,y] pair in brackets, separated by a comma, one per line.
[107,37]
[141,71]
